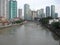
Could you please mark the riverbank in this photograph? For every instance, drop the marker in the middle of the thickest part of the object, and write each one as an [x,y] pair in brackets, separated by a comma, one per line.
[52,29]
[11,25]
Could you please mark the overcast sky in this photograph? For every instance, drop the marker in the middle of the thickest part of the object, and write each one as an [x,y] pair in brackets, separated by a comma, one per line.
[38,4]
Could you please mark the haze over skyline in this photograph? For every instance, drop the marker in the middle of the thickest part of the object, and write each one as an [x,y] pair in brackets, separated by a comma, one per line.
[38,4]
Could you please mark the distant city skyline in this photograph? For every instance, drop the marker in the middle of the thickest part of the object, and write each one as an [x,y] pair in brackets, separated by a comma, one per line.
[38,4]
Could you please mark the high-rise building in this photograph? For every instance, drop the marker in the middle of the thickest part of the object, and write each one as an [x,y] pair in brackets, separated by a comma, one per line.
[42,14]
[56,15]
[27,12]
[4,11]
[48,11]
[34,14]
[52,11]
[12,9]
[20,13]
[30,14]
[39,13]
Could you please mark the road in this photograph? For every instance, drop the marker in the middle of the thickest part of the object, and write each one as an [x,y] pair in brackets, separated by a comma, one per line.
[28,34]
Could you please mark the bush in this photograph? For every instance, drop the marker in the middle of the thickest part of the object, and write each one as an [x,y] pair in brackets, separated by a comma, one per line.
[56,25]
[18,21]
[45,21]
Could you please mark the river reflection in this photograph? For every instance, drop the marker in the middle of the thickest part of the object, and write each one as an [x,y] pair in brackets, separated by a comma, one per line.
[28,34]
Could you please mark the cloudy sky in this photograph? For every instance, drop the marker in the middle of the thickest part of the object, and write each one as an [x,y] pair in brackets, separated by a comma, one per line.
[38,4]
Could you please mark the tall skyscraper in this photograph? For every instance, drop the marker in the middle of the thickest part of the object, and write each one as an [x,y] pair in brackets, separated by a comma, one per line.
[30,14]
[38,13]
[52,11]
[34,14]
[20,13]
[56,15]
[42,14]
[27,12]
[4,11]
[48,11]
[12,9]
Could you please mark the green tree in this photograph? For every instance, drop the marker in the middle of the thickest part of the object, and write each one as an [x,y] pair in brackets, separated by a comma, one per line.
[56,25]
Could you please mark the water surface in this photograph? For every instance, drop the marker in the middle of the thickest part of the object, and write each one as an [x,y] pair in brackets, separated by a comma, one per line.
[28,34]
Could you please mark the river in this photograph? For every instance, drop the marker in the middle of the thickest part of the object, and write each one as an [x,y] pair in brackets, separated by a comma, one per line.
[28,34]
